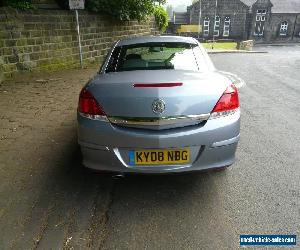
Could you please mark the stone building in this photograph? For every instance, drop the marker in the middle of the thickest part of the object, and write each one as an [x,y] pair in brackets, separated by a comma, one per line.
[261,20]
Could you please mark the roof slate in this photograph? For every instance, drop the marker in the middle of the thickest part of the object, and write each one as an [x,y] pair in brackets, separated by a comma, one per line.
[248,2]
[280,6]
[286,6]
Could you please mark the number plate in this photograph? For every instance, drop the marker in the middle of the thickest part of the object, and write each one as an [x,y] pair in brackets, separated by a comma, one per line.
[159,157]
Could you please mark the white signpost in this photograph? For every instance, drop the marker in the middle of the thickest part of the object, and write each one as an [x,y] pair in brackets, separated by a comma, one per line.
[77,5]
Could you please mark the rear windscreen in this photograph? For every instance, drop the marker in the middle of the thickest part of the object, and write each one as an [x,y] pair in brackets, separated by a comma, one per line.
[154,56]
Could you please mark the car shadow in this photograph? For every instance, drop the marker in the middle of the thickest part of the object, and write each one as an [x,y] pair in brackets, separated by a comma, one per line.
[73,199]
[151,187]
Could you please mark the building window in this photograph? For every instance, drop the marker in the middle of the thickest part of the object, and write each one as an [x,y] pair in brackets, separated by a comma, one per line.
[283,28]
[226,29]
[206,23]
[261,15]
[260,22]
[217,26]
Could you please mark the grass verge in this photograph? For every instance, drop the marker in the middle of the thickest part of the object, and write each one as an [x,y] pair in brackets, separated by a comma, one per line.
[220,46]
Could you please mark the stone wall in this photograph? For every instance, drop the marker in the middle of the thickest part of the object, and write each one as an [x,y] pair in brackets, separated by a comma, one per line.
[293,33]
[245,45]
[41,40]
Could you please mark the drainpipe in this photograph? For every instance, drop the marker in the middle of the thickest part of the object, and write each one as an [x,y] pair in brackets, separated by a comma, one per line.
[293,35]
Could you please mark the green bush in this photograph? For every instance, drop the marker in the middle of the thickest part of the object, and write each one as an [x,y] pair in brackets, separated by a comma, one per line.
[126,10]
[18,4]
[123,9]
[64,4]
[161,18]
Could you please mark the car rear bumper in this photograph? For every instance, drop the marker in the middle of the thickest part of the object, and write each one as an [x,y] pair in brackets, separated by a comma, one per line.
[213,145]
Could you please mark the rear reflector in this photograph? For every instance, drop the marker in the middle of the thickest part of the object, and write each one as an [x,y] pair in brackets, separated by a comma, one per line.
[157,85]
[228,103]
[88,105]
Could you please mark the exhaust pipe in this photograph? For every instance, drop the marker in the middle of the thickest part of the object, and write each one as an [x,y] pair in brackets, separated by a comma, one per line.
[118,176]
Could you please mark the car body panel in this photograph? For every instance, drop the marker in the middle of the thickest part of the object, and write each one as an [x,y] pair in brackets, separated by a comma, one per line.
[106,143]
[118,96]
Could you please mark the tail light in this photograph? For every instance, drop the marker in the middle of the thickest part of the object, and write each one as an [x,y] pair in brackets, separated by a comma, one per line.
[88,105]
[227,104]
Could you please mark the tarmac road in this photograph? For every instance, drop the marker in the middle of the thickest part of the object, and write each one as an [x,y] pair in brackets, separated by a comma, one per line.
[48,201]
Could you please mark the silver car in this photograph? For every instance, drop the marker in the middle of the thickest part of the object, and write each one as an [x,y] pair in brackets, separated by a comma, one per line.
[158,105]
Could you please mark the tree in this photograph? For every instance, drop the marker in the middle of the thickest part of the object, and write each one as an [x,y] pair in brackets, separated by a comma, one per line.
[18,4]
[131,10]
[161,2]
[124,9]
[161,17]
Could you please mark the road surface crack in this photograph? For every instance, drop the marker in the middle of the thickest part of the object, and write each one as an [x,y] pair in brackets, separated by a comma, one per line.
[100,218]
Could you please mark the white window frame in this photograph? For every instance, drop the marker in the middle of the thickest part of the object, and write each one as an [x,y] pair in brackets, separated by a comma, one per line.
[226,29]
[217,26]
[261,15]
[284,28]
[206,24]
[260,20]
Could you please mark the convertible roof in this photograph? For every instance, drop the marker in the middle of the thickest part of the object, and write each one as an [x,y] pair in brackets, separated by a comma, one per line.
[153,39]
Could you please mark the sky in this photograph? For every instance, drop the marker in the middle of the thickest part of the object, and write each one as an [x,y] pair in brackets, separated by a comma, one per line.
[179,2]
